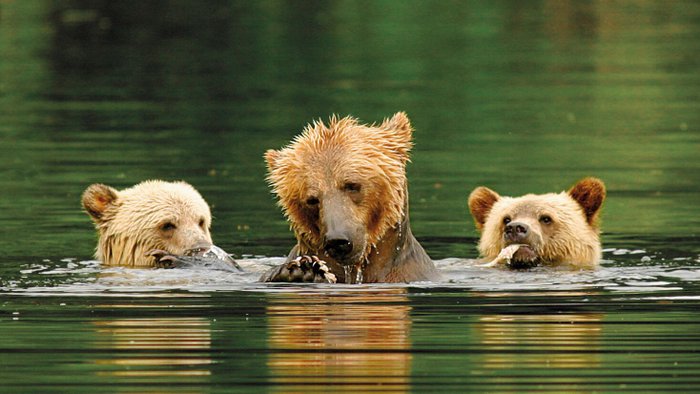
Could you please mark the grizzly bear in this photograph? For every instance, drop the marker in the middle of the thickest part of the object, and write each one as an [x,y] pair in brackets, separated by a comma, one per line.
[343,188]
[547,229]
[170,217]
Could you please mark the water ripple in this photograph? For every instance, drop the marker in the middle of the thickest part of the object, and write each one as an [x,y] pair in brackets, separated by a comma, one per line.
[633,275]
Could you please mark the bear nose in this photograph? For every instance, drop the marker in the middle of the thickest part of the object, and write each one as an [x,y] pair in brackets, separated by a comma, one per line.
[338,248]
[516,231]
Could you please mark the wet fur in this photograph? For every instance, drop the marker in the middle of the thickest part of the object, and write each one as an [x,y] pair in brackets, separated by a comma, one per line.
[573,236]
[321,163]
[129,222]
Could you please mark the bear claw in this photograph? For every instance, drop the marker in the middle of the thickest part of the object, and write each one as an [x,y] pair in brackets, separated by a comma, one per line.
[306,269]
[162,259]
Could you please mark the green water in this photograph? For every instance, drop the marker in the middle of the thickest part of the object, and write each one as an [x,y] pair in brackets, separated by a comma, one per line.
[519,96]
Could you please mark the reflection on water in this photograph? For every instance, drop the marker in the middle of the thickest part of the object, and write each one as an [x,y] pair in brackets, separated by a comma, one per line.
[154,347]
[540,350]
[210,332]
[552,341]
[359,340]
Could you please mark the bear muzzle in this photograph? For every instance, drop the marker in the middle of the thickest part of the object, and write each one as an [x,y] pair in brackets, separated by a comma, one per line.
[526,256]
[344,251]
[342,233]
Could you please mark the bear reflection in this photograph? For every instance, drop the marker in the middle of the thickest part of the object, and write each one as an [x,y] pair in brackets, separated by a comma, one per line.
[513,344]
[149,348]
[359,340]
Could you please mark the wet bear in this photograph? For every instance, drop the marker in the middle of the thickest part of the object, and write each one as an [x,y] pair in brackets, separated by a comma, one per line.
[171,217]
[343,188]
[550,229]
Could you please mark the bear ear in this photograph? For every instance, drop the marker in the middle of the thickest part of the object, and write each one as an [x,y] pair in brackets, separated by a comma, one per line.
[481,201]
[96,199]
[402,132]
[399,121]
[589,193]
[271,157]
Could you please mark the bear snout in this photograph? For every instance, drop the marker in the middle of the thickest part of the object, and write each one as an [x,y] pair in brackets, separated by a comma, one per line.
[516,232]
[338,248]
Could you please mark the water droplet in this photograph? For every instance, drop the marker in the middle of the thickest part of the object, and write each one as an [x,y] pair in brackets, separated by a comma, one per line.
[348,273]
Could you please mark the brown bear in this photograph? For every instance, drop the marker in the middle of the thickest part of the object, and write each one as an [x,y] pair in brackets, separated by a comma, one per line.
[171,217]
[343,188]
[547,229]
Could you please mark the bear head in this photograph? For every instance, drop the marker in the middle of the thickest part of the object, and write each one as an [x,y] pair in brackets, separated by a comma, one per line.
[342,186]
[553,228]
[169,216]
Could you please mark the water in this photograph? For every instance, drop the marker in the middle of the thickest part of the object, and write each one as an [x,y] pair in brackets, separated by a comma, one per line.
[520,97]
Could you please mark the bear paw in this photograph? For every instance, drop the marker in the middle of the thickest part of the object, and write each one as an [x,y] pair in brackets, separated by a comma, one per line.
[163,259]
[306,269]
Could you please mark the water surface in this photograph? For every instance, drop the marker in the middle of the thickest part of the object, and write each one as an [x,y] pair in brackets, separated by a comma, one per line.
[518,96]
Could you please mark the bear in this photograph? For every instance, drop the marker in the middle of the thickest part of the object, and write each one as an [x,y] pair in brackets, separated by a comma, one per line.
[554,229]
[154,215]
[343,189]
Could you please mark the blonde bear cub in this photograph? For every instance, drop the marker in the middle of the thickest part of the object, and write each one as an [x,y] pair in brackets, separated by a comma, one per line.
[171,217]
[540,229]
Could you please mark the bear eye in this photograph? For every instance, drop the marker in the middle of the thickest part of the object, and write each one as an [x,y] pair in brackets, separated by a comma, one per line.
[202,223]
[546,219]
[312,201]
[168,226]
[506,220]
[352,187]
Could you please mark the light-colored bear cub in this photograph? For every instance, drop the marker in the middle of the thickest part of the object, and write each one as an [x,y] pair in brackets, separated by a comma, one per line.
[548,229]
[153,215]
